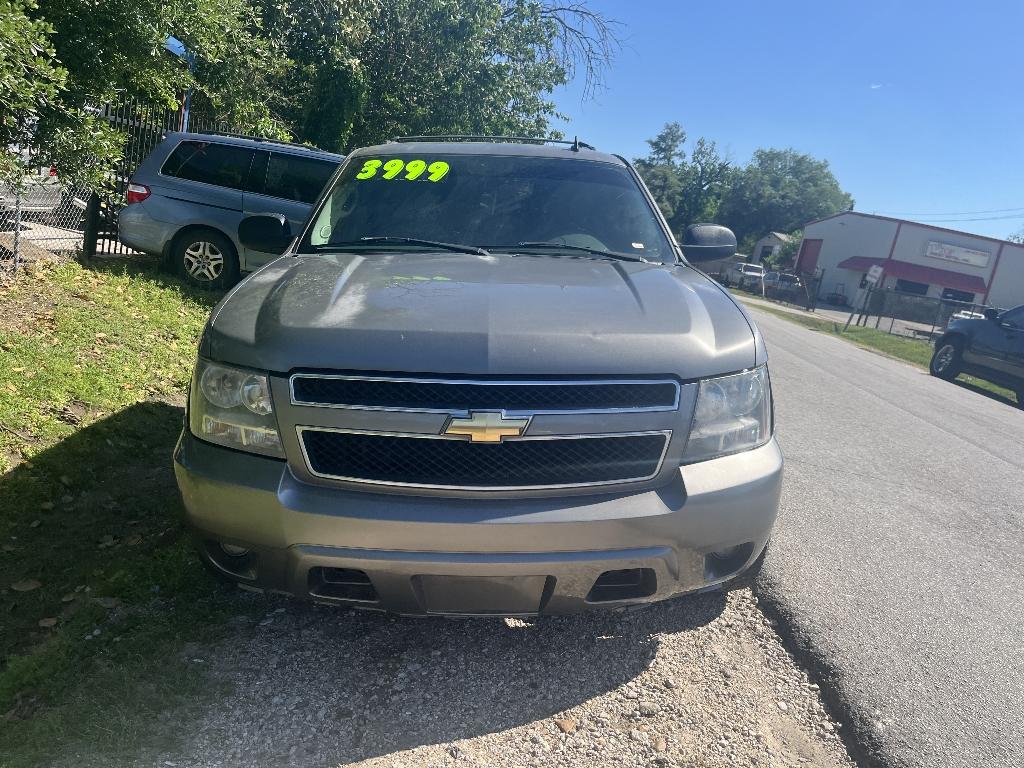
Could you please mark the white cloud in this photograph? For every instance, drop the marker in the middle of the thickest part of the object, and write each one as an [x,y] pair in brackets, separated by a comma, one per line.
[875,86]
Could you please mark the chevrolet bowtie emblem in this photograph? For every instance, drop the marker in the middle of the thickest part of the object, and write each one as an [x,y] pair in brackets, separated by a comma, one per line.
[486,426]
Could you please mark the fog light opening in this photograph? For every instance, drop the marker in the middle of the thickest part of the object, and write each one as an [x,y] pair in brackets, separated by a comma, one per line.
[235,561]
[726,561]
[725,553]
[624,584]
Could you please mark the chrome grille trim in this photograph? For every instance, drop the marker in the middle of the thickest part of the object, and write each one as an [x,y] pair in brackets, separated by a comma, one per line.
[486,382]
[300,429]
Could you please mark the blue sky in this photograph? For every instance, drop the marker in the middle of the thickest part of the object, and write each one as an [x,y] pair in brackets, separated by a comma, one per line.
[916,105]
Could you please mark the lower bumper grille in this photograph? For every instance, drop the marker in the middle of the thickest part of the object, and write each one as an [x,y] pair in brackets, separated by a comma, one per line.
[446,463]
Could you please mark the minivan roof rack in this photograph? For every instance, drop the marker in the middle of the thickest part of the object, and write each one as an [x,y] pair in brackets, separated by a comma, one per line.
[260,138]
[575,144]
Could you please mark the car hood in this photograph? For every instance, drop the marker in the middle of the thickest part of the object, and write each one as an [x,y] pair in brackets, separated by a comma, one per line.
[464,314]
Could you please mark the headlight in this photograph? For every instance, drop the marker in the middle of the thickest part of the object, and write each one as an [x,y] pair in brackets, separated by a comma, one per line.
[232,407]
[733,414]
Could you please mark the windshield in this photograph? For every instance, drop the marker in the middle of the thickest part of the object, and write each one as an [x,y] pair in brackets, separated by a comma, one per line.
[492,201]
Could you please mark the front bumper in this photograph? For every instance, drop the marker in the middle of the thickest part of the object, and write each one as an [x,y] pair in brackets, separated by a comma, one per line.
[511,556]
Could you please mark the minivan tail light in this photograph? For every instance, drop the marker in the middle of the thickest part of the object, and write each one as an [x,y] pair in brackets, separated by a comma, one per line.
[137,193]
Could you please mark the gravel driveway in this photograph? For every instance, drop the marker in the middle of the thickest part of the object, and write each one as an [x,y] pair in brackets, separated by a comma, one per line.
[698,681]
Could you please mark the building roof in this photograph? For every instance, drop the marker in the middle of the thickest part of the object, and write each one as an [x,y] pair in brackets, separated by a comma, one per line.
[781,235]
[918,273]
[912,223]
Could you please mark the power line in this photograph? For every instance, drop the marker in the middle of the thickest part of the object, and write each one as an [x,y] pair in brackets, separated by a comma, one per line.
[982,218]
[947,213]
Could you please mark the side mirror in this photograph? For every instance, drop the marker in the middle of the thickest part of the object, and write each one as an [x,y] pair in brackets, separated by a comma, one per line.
[265,232]
[708,242]
[990,313]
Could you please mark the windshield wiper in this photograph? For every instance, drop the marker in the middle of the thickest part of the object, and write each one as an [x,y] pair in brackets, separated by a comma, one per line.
[540,244]
[393,240]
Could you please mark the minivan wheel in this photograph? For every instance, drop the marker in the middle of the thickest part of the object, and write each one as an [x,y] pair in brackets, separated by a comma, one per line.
[946,361]
[206,259]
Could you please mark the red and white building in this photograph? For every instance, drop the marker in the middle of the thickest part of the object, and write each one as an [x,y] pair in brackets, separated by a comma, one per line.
[916,258]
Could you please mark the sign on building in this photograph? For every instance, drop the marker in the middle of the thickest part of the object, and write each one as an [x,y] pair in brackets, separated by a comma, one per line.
[955,253]
[874,275]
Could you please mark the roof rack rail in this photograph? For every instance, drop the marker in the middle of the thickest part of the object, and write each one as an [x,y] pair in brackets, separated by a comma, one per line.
[265,139]
[575,144]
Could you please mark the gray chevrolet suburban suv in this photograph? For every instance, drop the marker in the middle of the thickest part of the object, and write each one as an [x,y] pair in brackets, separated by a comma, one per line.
[482,380]
[186,199]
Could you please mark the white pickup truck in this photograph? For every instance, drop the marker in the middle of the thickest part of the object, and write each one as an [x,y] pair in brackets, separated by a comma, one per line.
[746,276]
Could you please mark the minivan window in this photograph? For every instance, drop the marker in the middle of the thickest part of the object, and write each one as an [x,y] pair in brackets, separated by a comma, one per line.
[297,178]
[489,201]
[221,164]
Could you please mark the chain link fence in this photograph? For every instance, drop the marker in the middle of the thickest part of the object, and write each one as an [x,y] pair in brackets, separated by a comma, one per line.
[43,217]
[911,315]
[40,218]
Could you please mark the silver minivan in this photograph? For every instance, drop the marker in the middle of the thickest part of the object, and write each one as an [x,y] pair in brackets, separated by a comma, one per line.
[186,199]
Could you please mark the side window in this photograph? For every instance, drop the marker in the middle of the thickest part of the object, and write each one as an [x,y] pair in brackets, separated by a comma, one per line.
[258,172]
[221,164]
[297,178]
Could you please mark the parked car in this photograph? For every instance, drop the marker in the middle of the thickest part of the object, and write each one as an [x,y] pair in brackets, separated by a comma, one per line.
[41,192]
[782,281]
[484,380]
[186,199]
[967,314]
[991,348]
[744,276]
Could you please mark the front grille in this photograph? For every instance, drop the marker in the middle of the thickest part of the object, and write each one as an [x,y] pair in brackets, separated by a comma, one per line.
[446,463]
[445,395]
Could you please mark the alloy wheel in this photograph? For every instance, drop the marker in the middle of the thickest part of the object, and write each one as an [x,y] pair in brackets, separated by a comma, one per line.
[944,358]
[203,261]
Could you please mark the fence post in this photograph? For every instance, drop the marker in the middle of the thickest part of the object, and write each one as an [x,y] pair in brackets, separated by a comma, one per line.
[91,231]
[17,228]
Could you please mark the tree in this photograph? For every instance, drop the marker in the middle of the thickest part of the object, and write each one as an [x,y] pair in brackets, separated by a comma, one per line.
[704,178]
[334,73]
[60,60]
[686,191]
[117,47]
[785,255]
[368,70]
[780,189]
[662,169]
[32,84]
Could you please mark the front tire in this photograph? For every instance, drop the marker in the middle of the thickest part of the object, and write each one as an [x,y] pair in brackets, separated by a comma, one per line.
[205,259]
[946,361]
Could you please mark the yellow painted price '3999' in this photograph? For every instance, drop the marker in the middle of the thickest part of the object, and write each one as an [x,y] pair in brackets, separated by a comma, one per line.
[393,169]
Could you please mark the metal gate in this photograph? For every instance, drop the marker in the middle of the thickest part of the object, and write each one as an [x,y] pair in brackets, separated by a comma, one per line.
[144,126]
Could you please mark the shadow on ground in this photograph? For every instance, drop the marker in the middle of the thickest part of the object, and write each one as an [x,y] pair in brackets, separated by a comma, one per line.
[986,392]
[323,686]
[292,682]
[149,268]
[97,502]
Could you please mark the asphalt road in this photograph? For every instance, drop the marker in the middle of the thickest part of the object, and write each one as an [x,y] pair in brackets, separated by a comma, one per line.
[897,562]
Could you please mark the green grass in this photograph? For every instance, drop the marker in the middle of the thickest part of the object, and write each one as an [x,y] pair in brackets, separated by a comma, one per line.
[917,353]
[96,364]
